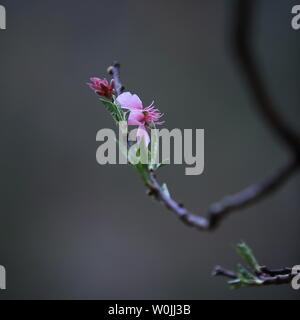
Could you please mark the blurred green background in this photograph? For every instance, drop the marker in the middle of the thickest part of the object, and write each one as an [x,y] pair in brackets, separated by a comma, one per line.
[71,229]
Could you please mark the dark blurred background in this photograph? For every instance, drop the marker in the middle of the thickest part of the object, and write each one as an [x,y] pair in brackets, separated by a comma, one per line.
[72,229]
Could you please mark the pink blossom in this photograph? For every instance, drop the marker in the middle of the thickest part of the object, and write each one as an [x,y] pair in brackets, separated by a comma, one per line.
[102,87]
[140,116]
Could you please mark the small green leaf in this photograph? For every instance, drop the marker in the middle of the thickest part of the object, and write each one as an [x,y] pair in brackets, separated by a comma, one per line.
[246,253]
[247,278]
[235,283]
[144,173]
[114,110]
[244,274]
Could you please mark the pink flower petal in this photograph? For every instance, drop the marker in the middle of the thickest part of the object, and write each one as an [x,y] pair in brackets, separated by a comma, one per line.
[98,81]
[136,118]
[92,86]
[130,101]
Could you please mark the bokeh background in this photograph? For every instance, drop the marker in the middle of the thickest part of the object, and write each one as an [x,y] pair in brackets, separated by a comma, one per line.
[72,229]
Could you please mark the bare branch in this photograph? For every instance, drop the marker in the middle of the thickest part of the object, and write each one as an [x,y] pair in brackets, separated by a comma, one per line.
[114,71]
[220,210]
[254,274]
[262,279]
[276,272]
[220,271]
[279,279]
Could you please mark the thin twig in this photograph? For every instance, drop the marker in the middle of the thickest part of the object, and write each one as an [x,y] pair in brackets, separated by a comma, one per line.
[279,279]
[219,210]
[264,279]
[276,272]
[114,71]
[220,271]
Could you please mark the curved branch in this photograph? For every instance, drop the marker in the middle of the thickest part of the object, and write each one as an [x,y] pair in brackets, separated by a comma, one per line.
[219,210]
[242,49]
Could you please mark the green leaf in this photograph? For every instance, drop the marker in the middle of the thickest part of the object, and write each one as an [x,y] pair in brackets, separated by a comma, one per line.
[244,274]
[114,110]
[235,283]
[246,253]
[144,173]
[244,278]
[247,278]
